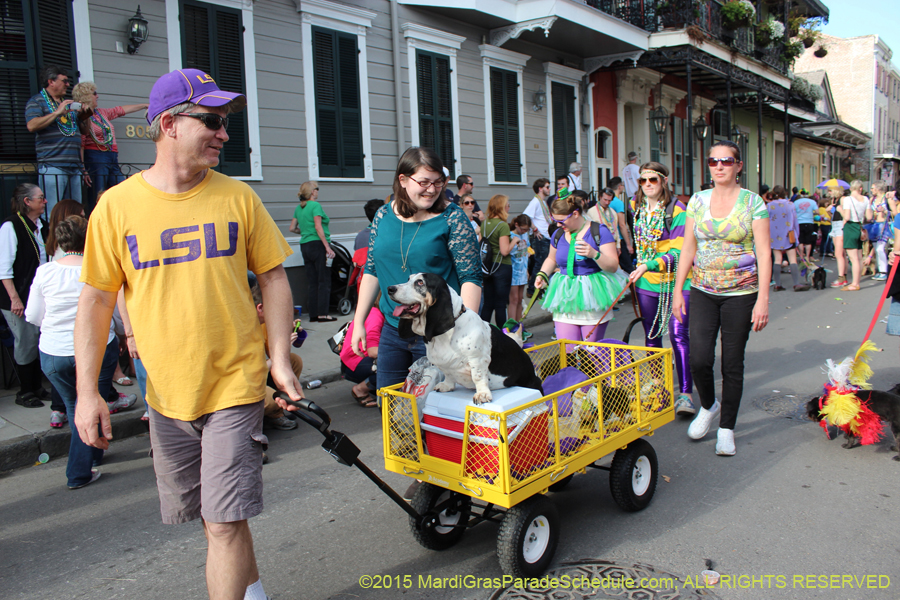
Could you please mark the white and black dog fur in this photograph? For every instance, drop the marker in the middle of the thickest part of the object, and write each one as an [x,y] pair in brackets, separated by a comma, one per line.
[466,349]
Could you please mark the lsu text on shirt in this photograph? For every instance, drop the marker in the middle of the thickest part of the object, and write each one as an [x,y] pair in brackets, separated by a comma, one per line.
[183,259]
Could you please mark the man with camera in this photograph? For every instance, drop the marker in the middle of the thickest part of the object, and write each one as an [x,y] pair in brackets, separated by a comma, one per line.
[55,122]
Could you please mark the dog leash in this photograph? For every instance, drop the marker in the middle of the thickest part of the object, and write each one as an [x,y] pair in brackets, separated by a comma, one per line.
[614,302]
[887,287]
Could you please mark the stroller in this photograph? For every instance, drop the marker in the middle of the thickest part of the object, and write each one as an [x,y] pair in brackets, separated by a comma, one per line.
[341,287]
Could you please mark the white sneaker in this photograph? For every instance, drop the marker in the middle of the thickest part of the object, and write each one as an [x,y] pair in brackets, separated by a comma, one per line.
[124,401]
[725,442]
[700,425]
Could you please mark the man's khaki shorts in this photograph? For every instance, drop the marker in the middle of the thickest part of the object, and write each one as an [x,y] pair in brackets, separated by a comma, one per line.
[210,467]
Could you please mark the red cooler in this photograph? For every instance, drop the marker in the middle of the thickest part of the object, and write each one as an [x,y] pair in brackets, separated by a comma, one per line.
[445,413]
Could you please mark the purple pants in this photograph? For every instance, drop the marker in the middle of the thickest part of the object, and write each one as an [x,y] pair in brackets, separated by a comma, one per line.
[678,335]
[578,333]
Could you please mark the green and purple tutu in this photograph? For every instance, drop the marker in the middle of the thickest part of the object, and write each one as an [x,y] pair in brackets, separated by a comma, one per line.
[583,293]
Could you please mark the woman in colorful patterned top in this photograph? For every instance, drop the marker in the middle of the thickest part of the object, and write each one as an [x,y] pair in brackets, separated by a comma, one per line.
[101,154]
[658,236]
[435,236]
[727,252]
[587,283]
[785,233]
[880,230]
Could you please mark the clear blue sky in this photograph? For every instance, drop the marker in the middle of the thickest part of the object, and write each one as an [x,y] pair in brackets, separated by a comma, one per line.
[852,18]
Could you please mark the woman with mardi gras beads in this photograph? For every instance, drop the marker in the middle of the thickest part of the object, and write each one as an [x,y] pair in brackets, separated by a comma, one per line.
[587,284]
[658,234]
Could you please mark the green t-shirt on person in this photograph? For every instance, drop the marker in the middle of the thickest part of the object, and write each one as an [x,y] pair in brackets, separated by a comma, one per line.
[307,224]
[493,230]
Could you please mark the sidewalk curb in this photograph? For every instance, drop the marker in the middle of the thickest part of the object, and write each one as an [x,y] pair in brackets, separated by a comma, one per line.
[23,451]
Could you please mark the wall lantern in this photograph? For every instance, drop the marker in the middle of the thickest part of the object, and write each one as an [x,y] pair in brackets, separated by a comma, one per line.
[736,134]
[701,129]
[659,116]
[138,31]
[539,99]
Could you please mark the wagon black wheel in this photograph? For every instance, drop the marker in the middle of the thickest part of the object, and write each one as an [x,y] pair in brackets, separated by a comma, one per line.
[633,475]
[561,484]
[528,537]
[446,527]
[345,306]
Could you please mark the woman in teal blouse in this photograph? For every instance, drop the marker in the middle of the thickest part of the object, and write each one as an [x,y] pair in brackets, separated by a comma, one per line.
[418,232]
[311,222]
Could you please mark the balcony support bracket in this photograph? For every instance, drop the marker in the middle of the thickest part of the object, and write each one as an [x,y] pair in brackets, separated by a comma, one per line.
[598,62]
[501,35]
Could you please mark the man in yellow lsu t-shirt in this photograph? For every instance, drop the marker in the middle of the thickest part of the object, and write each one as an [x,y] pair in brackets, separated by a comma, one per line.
[180,238]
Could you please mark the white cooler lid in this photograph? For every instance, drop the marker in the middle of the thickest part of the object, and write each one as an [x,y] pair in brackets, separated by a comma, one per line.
[452,405]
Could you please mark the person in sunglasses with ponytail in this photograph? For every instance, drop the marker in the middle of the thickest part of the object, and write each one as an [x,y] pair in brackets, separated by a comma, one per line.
[727,253]
[659,220]
[587,282]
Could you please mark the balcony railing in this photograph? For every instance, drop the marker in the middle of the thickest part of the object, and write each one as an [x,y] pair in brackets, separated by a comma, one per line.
[13,174]
[657,15]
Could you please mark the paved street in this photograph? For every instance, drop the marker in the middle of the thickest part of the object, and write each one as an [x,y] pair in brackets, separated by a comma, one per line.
[790,503]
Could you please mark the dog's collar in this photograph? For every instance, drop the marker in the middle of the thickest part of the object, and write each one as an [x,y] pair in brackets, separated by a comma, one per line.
[462,311]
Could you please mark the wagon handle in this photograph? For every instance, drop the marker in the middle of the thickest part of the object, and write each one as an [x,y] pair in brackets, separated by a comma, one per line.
[479,493]
[647,428]
[408,472]
[556,474]
[307,406]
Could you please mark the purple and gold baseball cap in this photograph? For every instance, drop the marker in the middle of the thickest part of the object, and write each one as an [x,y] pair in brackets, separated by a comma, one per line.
[189,85]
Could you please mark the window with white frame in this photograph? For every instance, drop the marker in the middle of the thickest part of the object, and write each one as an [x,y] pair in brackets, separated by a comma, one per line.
[504,118]
[434,114]
[603,154]
[336,90]
[194,28]
[563,128]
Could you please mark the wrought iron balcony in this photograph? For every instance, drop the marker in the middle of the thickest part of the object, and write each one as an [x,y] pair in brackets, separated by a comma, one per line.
[657,15]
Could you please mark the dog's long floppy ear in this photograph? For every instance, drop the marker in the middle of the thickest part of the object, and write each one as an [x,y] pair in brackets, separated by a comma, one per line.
[404,328]
[439,318]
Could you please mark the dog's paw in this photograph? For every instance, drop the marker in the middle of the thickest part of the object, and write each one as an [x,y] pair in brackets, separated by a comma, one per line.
[897,458]
[482,398]
[445,386]
[895,448]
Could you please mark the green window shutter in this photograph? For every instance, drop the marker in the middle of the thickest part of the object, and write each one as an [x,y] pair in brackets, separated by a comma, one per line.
[505,125]
[564,150]
[55,39]
[204,27]
[338,112]
[435,112]
[33,34]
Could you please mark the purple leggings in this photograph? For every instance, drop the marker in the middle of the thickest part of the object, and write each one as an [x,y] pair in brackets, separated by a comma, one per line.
[678,335]
[578,333]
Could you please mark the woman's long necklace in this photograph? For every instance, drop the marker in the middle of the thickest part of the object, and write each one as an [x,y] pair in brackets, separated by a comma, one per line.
[105,128]
[404,258]
[647,230]
[66,122]
[30,236]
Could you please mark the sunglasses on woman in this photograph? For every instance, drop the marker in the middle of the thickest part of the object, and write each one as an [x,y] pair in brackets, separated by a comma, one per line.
[561,221]
[468,203]
[643,180]
[210,120]
[728,161]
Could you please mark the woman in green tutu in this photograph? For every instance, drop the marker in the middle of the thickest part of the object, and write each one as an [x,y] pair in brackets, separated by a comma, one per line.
[587,282]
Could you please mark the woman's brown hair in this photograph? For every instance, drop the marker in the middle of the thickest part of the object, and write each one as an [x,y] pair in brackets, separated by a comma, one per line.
[566,206]
[666,195]
[63,209]
[71,233]
[497,207]
[412,160]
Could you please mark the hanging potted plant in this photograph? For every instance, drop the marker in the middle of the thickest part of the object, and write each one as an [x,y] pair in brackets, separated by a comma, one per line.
[821,52]
[737,13]
[792,50]
[768,31]
[808,37]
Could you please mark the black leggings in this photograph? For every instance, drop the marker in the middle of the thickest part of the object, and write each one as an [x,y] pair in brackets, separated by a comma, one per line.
[710,313]
[318,279]
[496,294]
